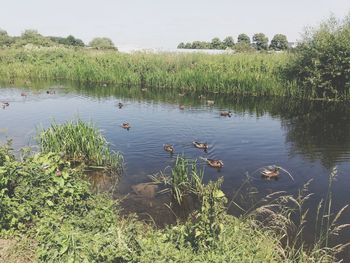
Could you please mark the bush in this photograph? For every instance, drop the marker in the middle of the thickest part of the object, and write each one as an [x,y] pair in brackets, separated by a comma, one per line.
[322,62]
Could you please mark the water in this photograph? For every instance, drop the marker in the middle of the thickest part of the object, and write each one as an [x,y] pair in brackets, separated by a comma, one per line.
[306,138]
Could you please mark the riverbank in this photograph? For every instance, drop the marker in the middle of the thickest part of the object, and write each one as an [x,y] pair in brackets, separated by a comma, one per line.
[254,74]
[50,214]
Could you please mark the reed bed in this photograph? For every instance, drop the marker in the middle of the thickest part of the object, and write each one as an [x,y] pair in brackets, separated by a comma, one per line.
[81,143]
[254,74]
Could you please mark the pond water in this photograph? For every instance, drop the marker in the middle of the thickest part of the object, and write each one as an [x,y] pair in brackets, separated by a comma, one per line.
[307,138]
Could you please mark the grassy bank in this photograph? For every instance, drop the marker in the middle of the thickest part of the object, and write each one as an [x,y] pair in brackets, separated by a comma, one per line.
[254,74]
[49,214]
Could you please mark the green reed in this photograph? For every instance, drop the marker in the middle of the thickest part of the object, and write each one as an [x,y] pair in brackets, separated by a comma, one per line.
[82,143]
[254,74]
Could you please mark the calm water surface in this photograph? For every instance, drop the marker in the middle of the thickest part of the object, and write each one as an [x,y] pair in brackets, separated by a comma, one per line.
[306,138]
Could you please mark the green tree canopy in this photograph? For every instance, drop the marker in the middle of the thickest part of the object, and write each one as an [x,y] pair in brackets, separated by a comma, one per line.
[260,41]
[243,38]
[181,45]
[279,42]
[216,43]
[228,42]
[102,43]
[5,39]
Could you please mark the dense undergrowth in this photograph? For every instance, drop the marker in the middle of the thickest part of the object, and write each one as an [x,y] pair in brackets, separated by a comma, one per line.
[47,205]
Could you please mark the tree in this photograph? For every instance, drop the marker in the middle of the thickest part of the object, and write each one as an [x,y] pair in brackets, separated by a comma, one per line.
[228,42]
[243,38]
[243,47]
[188,45]
[5,39]
[102,43]
[279,42]
[31,36]
[260,41]
[321,64]
[216,43]
[181,45]
[72,41]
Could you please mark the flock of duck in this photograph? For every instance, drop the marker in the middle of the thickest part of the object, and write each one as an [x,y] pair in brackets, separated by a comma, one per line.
[269,172]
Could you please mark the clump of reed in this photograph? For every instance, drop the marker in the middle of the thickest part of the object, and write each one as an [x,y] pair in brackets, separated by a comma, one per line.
[184,179]
[255,74]
[81,143]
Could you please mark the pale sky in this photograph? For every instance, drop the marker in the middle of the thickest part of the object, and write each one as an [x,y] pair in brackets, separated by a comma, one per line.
[163,23]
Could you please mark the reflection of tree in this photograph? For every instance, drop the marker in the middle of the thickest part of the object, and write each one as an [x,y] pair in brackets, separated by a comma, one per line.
[318,130]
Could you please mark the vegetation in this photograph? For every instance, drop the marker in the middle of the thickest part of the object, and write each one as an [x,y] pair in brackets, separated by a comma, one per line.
[260,43]
[58,219]
[102,43]
[321,64]
[245,74]
[279,42]
[81,143]
[32,37]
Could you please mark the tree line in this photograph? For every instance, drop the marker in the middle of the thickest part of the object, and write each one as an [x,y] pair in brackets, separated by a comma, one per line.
[33,37]
[244,44]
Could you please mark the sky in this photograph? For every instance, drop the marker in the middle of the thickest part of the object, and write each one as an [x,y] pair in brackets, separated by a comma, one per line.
[134,24]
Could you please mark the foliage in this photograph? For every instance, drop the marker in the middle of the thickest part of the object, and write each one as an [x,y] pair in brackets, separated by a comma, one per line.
[243,38]
[322,62]
[279,42]
[260,41]
[102,43]
[80,142]
[68,41]
[228,42]
[244,74]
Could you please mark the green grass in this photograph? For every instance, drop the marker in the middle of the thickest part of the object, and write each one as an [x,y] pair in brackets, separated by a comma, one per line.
[256,74]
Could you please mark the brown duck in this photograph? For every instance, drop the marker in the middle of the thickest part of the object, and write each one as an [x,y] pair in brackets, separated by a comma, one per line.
[270,172]
[168,148]
[126,125]
[225,113]
[215,163]
[200,145]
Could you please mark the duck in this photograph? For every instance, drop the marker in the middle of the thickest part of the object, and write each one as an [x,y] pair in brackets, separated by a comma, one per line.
[225,113]
[181,94]
[23,94]
[181,107]
[126,125]
[6,104]
[200,145]
[270,172]
[144,89]
[210,102]
[168,148]
[120,105]
[201,97]
[215,163]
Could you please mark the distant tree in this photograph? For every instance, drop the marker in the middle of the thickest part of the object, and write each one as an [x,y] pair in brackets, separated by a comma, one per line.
[228,42]
[102,43]
[5,39]
[216,43]
[31,36]
[181,45]
[279,42]
[260,41]
[72,41]
[243,38]
[188,45]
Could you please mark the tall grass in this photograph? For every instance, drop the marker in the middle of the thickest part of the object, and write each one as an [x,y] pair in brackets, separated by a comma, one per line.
[82,143]
[247,74]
